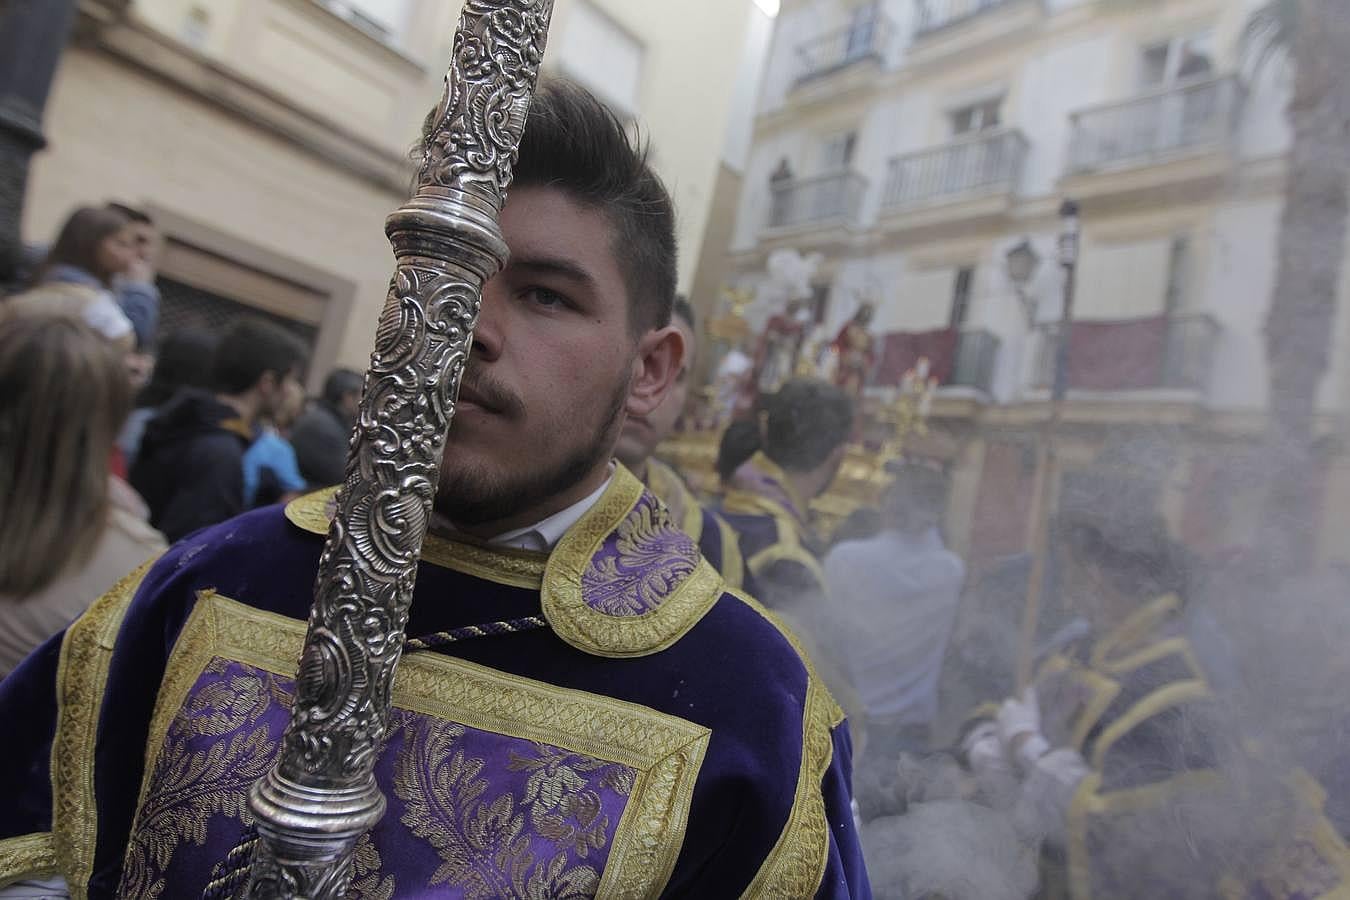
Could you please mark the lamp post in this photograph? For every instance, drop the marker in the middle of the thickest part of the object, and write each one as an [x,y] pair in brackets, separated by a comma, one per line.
[1022,261]
[1047,462]
[32,35]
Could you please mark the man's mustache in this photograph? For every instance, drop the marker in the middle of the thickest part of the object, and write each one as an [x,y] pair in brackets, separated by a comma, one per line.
[491,394]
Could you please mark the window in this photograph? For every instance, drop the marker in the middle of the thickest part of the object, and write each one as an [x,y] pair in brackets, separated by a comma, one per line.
[386,20]
[861,32]
[836,152]
[976,117]
[603,56]
[1178,266]
[196,27]
[961,289]
[1176,59]
[819,304]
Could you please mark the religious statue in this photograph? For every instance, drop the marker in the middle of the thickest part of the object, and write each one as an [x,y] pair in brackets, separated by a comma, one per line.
[854,349]
[780,344]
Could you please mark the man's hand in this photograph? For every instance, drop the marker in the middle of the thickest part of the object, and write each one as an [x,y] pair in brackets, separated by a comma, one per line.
[141,272]
[1019,729]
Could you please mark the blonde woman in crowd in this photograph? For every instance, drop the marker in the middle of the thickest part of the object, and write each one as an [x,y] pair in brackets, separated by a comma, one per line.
[69,529]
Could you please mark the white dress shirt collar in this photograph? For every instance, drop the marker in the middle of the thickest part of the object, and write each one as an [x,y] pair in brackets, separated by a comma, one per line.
[543,536]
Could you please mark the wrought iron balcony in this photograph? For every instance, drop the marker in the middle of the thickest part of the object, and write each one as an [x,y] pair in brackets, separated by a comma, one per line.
[988,162]
[955,358]
[1177,120]
[976,357]
[835,198]
[936,15]
[1160,352]
[843,48]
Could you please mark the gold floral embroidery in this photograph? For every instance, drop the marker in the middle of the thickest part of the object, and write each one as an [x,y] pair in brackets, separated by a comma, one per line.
[665,751]
[641,565]
[559,576]
[189,786]
[599,633]
[562,807]
[670,489]
[797,862]
[515,568]
[86,655]
[27,856]
[366,870]
[481,837]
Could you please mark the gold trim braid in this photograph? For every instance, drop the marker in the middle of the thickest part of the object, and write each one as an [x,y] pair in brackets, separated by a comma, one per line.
[599,633]
[27,856]
[665,751]
[515,568]
[82,674]
[797,862]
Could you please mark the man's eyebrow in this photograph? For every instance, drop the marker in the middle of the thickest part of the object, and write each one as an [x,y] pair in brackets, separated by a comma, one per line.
[552,265]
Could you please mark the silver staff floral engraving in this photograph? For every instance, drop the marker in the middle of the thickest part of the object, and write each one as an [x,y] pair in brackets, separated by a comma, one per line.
[321,796]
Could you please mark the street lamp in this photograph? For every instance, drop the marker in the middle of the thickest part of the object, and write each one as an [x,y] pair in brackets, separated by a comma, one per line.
[1021,262]
[1070,229]
[32,36]
[1047,462]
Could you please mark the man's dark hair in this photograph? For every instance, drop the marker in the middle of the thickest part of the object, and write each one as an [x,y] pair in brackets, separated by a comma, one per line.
[184,359]
[805,422]
[917,498]
[250,348]
[684,310]
[739,442]
[340,383]
[137,216]
[575,143]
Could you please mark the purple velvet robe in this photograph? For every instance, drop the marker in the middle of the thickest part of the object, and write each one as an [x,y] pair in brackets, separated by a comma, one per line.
[782,551]
[661,738]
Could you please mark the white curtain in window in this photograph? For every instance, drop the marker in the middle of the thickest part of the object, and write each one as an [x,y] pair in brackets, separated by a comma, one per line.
[1122,280]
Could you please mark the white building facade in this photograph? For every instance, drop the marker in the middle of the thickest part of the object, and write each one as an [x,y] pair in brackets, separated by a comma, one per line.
[914,143]
[270,138]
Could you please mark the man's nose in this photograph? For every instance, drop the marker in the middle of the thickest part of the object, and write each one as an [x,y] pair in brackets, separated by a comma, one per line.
[488,334]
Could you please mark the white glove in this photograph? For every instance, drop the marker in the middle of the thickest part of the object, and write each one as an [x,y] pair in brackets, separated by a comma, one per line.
[982,747]
[1019,729]
[995,777]
[1047,793]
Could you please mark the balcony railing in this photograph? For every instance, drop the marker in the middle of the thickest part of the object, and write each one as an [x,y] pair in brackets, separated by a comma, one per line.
[1171,352]
[843,48]
[982,163]
[813,201]
[935,15]
[976,357]
[1163,123]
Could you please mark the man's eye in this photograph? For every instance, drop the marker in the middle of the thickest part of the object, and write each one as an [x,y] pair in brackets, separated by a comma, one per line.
[545,298]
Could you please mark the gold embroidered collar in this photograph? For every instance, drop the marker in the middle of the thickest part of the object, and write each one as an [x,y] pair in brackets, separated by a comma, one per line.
[623,581]
[500,565]
[1135,628]
[671,490]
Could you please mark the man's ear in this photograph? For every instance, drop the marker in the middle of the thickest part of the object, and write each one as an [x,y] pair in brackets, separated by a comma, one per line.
[660,355]
[267,383]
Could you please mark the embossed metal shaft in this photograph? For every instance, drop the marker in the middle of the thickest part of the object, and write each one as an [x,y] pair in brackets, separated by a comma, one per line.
[321,796]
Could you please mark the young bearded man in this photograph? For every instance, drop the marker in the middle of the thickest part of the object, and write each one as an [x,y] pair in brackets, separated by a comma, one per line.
[582,709]
[639,439]
[190,466]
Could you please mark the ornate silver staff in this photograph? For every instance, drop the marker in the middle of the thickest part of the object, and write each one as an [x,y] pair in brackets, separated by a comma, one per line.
[321,796]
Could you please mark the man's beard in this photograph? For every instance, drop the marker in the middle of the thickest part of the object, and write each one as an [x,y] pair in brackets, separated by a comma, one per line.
[474,497]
